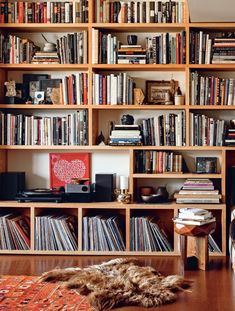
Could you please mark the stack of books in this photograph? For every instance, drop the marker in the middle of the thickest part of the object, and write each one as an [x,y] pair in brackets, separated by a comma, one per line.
[206,131]
[16,230]
[139,11]
[113,89]
[211,90]
[125,135]
[223,51]
[131,54]
[56,233]
[45,58]
[102,234]
[198,190]
[230,137]
[194,216]
[148,235]
[157,162]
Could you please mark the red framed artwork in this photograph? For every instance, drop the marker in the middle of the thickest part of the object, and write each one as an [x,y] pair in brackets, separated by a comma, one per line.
[64,167]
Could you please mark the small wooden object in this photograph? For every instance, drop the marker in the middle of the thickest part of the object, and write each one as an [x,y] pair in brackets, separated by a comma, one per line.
[200,235]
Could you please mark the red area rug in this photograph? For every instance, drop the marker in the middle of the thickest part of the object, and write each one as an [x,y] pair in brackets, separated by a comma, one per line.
[26,294]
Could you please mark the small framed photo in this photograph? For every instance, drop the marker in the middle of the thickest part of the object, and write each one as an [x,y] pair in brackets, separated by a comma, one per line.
[160,92]
[206,165]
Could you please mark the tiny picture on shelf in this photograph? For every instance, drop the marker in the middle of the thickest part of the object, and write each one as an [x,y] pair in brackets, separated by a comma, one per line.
[66,167]
[206,165]
[52,89]
[160,92]
[29,88]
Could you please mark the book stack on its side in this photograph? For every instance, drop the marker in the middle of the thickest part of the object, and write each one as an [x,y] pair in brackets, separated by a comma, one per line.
[194,216]
[102,234]
[157,162]
[20,129]
[148,235]
[125,135]
[198,191]
[166,48]
[230,137]
[14,231]
[131,54]
[104,47]
[49,58]
[206,131]
[164,130]
[44,12]
[55,233]
[112,89]
[72,48]
[16,50]
[223,51]
[211,90]
[139,11]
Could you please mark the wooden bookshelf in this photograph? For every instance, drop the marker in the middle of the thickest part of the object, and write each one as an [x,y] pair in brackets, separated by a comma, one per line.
[93,113]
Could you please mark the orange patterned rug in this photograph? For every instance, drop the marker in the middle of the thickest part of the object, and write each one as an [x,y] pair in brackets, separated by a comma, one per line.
[26,294]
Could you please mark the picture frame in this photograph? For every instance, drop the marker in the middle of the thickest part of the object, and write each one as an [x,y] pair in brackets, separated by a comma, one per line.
[160,92]
[206,165]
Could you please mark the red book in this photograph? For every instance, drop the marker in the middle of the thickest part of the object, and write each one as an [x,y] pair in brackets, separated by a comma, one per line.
[64,167]
[21,12]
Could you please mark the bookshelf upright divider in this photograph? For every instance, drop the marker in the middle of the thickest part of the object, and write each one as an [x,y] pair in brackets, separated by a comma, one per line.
[166,211]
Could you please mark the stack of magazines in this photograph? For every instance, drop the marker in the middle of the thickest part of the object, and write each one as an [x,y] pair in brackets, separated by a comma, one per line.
[194,216]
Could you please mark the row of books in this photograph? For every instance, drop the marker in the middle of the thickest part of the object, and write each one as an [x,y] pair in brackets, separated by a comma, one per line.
[206,131]
[16,50]
[44,12]
[198,190]
[55,233]
[211,90]
[102,234]
[164,130]
[166,48]
[139,11]
[14,231]
[112,89]
[200,48]
[148,235]
[71,129]
[157,162]
[72,48]
[125,135]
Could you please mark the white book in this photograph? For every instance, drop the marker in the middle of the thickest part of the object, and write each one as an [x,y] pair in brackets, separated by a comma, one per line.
[109,48]
[194,222]
[67,6]
[95,34]
[156,131]
[193,211]
[78,88]
[200,46]
[135,11]
[195,217]
[147,12]
[65,94]
[98,12]
[108,89]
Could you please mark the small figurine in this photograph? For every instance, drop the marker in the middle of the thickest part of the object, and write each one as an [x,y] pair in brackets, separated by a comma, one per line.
[100,139]
[11,88]
[138,96]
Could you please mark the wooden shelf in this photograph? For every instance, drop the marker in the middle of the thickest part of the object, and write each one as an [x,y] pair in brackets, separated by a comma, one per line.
[138,107]
[213,26]
[175,175]
[44,27]
[43,107]
[55,67]
[140,67]
[213,67]
[212,107]
[140,27]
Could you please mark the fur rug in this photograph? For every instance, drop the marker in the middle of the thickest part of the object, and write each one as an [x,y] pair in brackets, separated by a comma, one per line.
[119,282]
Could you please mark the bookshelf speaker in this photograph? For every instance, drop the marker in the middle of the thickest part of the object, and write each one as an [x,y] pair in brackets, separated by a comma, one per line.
[10,184]
[104,187]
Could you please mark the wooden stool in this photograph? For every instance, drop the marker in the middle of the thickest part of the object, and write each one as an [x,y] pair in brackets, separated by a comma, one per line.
[200,235]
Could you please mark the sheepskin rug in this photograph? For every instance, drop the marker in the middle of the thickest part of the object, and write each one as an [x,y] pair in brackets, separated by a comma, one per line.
[119,282]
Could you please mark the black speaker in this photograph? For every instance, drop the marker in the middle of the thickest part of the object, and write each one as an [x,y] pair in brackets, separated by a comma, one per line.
[104,187]
[10,184]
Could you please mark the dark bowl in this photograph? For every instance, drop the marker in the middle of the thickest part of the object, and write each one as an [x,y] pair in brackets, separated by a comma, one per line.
[153,198]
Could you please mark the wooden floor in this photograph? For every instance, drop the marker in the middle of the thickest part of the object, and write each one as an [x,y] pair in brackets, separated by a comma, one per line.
[213,290]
